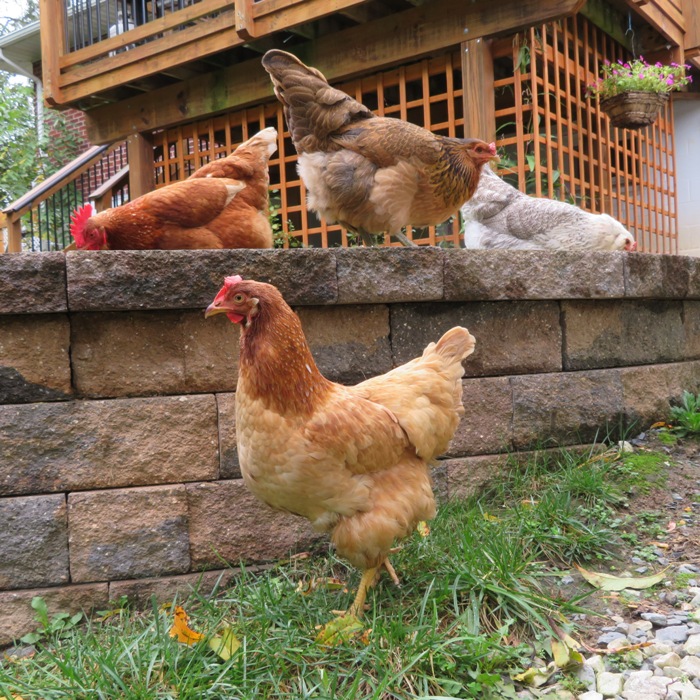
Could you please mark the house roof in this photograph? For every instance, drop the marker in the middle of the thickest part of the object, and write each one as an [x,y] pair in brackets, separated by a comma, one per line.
[21,47]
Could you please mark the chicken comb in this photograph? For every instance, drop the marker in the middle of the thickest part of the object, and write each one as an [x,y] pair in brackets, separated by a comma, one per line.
[232,280]
[78,220]
[492,147]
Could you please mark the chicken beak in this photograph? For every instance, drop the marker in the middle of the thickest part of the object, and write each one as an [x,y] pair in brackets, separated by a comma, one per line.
[213,309]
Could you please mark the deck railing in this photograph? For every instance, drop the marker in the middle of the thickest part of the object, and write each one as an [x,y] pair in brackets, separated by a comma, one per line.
[40,220]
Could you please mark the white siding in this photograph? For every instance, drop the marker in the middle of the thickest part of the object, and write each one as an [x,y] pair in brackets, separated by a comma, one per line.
[687,126]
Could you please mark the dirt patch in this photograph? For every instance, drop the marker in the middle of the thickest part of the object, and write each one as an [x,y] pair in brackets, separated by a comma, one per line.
[661,532]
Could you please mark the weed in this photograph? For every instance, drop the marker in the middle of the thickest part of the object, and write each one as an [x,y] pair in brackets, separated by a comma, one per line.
[58,625]
[641,471]
[687,415]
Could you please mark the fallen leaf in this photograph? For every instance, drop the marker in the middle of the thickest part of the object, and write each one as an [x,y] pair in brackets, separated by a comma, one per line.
[341,629]
[327,583]
[536,677]
[671,526]
[606,582]
[181,630]
[491,518]
[225,644]
[660,545]
[659,424]
[423,529]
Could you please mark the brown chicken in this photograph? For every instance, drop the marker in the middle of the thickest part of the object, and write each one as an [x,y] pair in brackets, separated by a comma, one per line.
[370,174]
[248,164]
[353,460]
[224,204]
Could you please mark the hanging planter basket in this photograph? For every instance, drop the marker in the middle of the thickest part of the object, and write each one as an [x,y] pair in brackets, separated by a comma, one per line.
[634,110]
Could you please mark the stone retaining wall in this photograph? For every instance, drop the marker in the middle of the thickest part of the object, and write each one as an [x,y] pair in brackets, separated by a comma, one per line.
[118,466]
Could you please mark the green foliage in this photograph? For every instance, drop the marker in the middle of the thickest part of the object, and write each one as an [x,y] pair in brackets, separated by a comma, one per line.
[638,75]
[57,625]
[280,237]
[687,415]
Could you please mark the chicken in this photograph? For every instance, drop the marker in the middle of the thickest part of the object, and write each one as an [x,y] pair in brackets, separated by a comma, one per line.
[249,165]
[370,174]
[224,204]
[500,216]
[353,460]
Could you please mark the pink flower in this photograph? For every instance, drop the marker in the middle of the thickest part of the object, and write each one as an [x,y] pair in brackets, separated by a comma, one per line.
[669,81]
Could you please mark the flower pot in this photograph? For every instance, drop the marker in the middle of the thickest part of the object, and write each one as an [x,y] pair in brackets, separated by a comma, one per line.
[634,110]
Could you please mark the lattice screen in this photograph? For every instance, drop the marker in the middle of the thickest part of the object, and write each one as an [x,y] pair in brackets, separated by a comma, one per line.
[556,142]
[560,145]
[428,93]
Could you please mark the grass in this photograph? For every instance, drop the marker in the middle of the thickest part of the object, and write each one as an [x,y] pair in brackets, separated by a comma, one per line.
[479,599]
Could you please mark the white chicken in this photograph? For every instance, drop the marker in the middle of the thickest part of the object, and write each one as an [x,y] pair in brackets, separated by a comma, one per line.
[500,216]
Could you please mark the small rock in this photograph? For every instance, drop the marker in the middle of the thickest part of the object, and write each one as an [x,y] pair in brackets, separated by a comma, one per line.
[688,569]
[608,637]
[692,645]
[638,561]
[567,580]
[618,643]
[590,695]
[642,569]
[676,634]
[640,627]
[610,684]
[657,648]
[656,619]
[586,675]
[691,666]
[671,597]
[644,684]
[665,660]
[596,662]
[673,672]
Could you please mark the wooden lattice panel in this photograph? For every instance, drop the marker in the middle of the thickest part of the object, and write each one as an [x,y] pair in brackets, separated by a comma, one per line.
[427,93]
[560,145]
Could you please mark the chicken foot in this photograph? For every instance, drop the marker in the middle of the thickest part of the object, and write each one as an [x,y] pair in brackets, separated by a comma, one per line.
[367,239]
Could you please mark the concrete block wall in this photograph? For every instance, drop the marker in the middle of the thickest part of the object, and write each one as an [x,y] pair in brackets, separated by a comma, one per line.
[118,466]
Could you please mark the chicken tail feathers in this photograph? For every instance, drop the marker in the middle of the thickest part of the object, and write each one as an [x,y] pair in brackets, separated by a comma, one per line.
[313,109]
[456,344]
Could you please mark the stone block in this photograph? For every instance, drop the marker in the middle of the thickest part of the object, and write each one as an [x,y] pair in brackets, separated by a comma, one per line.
[383,275]
[691,327]
[486,425]
[81,445]
[348,343]
[659,276]
[128,533]
[565,408]
[230,466]
[34,358]
[204,583]
[649,391]
[228,524]
[32,283]
[511,337]
[189,279]
[601,334]
[466,476]
[475,275]
[145,353]
[18,616]
[34,545]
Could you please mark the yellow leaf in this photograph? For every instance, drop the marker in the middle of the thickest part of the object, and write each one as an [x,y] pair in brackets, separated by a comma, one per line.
[226,644]
[561,654]
[660,545]
[535,676]
[181,630]
[423,529]
[491,518]
[606,582]
[329,583]
[341,629]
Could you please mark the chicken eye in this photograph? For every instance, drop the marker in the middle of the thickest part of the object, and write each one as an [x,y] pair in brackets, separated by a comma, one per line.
[238,299]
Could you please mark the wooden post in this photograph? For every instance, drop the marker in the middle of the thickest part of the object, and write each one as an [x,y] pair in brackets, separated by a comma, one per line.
[244,19]
[14,231]
[52,48]
[477,81]
[141,166]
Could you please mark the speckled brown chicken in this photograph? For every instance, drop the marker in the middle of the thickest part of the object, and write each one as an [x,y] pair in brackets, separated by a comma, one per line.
[370,174]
